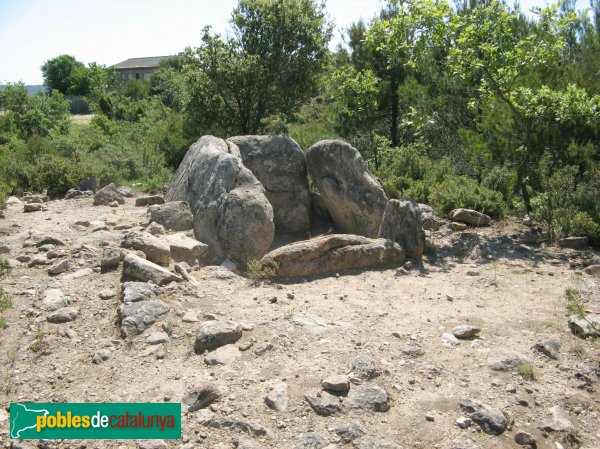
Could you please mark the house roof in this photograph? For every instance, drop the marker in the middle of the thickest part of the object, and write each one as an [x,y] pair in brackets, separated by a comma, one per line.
[140,63]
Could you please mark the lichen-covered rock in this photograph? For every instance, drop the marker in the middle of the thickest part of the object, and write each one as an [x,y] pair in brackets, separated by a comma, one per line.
[354,198]
[231,211]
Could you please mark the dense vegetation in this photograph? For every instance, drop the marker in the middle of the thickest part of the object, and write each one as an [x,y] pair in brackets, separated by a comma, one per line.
[474,104]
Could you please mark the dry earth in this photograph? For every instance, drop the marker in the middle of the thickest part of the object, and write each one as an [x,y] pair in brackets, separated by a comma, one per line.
[305,330]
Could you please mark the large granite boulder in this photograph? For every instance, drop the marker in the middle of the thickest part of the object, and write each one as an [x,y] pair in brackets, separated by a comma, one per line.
[278,163]
[333,253]
[354,198]
[231,212]
[402,223]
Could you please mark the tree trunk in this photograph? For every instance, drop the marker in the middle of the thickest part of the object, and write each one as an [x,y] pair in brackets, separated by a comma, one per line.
[394,83]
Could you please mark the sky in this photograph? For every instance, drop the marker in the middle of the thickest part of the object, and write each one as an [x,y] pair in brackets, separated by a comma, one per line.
[110,31]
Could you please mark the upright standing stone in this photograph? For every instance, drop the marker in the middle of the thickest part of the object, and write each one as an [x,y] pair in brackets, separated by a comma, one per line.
[402,223]
[354,197]
[279,164]
[231,211]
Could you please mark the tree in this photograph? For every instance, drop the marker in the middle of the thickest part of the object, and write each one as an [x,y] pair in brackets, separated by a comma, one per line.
[29,115]
[60,73]
[71,77]
[270,65]
[489,48]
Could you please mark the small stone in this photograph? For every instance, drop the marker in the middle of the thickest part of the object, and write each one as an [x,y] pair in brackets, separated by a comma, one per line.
[139,291]
[63,315]
[490,419]
[449,339]
[190,317]
[32,207]
[473,273]
[592,270]
[523,438]
[144,201]
[573,242]
[528,221]
[505,360]
[58,267]
[277,398]
[215,421]
[464,422]
[585,327]
[363,368]
[369,398]
[310,440]
[429,417]
[4,249]
[262,348]
[510,388]
[224,355]
[456,226]
[136,317]
[522,401]
[408,265]
[100,356]
[412,350]
[157,338]
[107,294]
[349,431]
[111,259]
[560,421]
[323,403]
[549,347]
[466,331]
[336,383]
[213,334]
[155,229]
[202,395]
[55,299]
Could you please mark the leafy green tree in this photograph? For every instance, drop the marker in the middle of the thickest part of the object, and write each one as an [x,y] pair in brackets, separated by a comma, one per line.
[489,49]
[60,73]
[38,114]
[269,66]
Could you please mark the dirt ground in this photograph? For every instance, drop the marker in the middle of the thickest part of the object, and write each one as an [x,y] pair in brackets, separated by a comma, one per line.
[514,293]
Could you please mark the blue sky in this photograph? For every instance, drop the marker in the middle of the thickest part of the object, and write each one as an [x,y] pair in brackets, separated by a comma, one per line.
[110,31]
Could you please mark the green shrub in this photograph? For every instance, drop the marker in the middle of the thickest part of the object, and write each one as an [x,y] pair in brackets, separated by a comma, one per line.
[4,267]
[462,191]
[410,173]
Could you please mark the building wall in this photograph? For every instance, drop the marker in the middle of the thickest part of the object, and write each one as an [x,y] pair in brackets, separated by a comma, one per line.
[133,74]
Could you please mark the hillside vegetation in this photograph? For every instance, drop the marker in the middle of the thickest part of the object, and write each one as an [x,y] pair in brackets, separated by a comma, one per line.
[475,104]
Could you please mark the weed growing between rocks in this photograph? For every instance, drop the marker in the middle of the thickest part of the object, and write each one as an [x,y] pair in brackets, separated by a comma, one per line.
[526,370]
[38,345]
[5,302]
[576,306]
[4,267]
[257,271]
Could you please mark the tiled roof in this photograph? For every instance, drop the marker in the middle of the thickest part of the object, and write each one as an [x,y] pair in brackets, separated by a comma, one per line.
[139,63]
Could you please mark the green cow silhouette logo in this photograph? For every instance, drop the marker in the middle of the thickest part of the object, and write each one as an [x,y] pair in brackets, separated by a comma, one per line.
[23,418]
